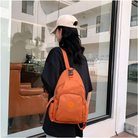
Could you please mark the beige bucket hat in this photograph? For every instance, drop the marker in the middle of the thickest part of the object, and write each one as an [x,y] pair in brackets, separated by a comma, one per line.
[67,21]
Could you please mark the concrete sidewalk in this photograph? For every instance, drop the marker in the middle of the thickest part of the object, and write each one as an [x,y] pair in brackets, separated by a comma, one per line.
[124,134]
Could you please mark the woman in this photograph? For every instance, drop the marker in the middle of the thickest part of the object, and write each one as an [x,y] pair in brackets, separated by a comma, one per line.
[68,38]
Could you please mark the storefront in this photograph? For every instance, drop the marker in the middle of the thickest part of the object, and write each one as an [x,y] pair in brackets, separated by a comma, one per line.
[110,42]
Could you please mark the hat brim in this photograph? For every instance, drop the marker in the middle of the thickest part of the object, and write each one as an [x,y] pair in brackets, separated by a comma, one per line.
[53,30]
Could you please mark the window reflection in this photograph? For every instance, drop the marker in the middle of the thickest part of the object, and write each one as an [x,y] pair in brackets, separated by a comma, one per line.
[31,42]
[103,23]
[134,14]
[83,33]
[4,4]
[28,7]
[132,92]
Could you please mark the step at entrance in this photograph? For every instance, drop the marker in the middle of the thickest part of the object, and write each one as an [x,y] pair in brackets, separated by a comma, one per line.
[131,125]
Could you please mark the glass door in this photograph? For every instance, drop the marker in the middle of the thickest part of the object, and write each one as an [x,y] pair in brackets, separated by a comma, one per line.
[132,83]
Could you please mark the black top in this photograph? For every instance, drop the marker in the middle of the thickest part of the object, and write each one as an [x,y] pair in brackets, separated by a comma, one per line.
[53,68]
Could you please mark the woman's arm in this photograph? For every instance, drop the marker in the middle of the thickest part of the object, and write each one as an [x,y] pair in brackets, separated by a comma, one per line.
[88,98]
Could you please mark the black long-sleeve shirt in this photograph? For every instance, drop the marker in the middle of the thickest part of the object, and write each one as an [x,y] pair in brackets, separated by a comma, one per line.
[53,68]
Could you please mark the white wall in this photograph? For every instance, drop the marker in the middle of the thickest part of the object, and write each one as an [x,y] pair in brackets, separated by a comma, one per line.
[121,63]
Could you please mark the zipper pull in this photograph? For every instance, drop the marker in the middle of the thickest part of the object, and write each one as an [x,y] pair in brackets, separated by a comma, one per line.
[57,107]
[55,94]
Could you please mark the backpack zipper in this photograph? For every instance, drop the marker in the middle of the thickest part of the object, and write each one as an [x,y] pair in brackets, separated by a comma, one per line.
[58,87]
[55,94]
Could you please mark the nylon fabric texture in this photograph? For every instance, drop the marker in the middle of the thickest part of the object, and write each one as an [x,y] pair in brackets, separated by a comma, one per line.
[53,68]
[69,105]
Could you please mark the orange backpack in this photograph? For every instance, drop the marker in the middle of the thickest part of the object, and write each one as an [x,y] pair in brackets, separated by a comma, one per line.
[68,105]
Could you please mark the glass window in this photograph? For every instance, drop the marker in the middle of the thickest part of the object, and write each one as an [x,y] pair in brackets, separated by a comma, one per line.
[42,34]
[31,42]
[27,29]
[28,7]
[4,4]
[134,14]
[103,23]
[96,49]
[83,33]
[132,82]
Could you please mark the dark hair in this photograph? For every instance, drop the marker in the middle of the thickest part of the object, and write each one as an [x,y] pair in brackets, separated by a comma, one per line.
[71,43]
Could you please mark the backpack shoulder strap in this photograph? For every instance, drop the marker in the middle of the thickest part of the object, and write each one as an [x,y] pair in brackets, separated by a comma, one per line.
[65,58]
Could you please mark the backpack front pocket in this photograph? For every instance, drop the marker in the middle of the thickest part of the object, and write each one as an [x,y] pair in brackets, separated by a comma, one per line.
[69,108]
